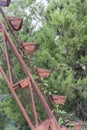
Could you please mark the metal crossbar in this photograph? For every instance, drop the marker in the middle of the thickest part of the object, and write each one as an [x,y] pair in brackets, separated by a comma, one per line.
[50,122]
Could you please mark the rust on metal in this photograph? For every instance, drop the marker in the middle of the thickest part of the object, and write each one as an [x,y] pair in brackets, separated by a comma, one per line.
[56,99]
[16,98]
[48,124]
[15,22]
[43,73]
[29,48]
[4,3]
[34,85]
[7,57]
[23,83]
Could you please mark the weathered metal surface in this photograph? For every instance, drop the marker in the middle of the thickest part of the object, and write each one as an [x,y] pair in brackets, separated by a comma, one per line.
[43,73]
[15,22]
[48,124]
[7,57]
[17,99]
[4,3]
[58,99]
[10,27]
[23,83]
[29,48]
[34,85]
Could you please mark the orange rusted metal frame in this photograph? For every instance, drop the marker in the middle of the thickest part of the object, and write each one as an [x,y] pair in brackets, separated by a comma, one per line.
[34,85]
[16,98]
[7,57]
[21,82]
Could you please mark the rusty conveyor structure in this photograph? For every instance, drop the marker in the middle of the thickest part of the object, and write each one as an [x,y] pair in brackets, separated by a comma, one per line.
[27,83]
[30,93]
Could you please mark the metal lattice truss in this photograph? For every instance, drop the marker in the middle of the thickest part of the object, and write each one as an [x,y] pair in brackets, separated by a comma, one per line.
[26,84]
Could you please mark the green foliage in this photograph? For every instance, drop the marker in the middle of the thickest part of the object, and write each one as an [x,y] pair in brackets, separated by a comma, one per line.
[11,128]
[61,42]
[65,54]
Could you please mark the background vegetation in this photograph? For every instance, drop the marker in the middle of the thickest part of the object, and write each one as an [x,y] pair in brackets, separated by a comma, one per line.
[59,28]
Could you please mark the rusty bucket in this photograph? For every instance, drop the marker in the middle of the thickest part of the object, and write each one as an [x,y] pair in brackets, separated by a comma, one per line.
[43,73]
[15,22]
[23,83]
[29,48]
[58,99]
[4,3]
